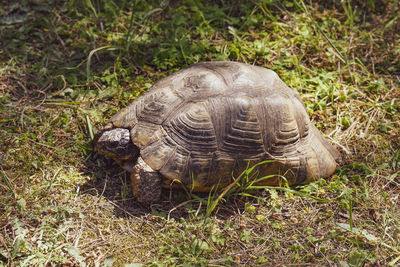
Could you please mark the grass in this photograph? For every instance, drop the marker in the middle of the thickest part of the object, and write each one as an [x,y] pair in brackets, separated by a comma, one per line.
[68,66]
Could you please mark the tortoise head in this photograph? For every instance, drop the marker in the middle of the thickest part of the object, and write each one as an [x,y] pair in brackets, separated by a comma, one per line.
[116,143]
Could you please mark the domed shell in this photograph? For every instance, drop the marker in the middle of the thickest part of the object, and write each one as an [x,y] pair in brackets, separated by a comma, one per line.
[207,123]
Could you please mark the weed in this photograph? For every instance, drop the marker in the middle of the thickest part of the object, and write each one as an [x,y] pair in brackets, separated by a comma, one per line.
[68,66]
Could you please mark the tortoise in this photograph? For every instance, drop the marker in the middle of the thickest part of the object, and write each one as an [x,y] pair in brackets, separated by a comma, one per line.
[205,124]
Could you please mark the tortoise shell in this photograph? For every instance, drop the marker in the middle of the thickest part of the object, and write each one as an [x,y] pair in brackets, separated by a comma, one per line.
[208,122]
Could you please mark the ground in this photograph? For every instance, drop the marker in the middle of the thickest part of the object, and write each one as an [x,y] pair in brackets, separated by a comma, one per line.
[68,66]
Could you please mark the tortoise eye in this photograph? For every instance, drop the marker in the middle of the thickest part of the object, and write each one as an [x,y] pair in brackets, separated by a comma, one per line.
[113,144]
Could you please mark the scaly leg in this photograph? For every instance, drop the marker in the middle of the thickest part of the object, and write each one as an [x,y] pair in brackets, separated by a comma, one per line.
[146,183]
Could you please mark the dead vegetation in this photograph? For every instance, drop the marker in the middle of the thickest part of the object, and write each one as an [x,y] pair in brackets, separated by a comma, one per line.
[64,64]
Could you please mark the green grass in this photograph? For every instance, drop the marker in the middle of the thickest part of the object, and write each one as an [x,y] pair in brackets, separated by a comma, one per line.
[68,66]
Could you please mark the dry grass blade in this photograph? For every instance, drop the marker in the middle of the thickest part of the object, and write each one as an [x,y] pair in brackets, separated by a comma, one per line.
[62,205]
[89,59]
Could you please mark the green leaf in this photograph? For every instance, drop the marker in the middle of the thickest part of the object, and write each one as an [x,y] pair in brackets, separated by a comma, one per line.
[198,246]
[21,204]
[13,19]
[108,262]
[394,261]
[246,236]
[17,246]
[74,252]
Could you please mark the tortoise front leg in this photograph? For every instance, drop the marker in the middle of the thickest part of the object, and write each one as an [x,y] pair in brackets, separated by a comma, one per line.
[146,183]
